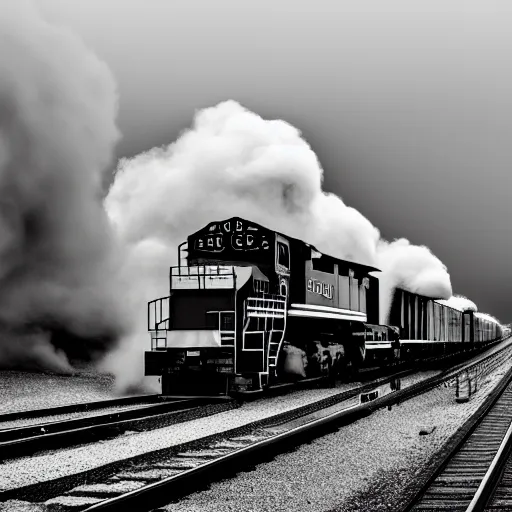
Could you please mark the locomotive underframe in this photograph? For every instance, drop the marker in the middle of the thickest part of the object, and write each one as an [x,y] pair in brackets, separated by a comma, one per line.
[306,348]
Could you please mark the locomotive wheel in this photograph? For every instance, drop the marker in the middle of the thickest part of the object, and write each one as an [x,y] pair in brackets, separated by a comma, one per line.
[356,357]
[333,373]
[344,368]
[272,378]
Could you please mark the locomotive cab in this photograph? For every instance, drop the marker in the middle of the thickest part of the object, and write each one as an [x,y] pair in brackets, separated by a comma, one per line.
[224,317]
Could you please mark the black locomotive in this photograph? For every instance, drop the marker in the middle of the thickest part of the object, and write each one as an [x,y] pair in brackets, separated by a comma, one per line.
[252,307]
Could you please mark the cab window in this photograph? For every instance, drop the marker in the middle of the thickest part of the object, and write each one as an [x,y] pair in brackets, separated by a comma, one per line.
[323,264]
[283,255]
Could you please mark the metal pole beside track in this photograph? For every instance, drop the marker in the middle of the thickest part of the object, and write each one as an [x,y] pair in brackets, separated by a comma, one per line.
[463,384]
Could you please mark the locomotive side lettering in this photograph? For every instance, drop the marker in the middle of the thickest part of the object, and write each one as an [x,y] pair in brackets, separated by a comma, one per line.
[320,288]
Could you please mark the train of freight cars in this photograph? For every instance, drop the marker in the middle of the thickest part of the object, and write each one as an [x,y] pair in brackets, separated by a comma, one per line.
[249,308]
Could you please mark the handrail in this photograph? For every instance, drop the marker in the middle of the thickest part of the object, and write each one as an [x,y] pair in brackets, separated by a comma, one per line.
[179,253]
[158,312]
[202,277]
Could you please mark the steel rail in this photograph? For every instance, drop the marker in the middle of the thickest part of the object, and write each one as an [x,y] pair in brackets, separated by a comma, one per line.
[80,407]
[492,476]
[22,440]
[46,489]
[71,485]
[141,497]
[464,448]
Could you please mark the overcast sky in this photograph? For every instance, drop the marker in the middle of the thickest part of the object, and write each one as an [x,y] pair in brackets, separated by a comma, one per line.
[407,103]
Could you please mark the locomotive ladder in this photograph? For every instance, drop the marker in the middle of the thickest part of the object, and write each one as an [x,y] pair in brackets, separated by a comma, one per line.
[273,347]
[273,309]
[158,322]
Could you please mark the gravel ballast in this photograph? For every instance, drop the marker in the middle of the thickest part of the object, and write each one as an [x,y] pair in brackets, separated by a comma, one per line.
[46,466]
[55,464]
[364,466]
[22,391]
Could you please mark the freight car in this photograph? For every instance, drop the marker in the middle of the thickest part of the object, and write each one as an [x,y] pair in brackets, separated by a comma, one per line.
[249,308]
[428,326]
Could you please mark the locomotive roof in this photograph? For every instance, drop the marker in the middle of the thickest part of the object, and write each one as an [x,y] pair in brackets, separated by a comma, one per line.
[360,266]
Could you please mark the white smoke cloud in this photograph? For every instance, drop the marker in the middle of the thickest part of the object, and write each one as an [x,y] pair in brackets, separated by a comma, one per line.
[58,105]
[144,277]
[410,267]
[460,302]
[60,266]
[234,163]
[230,163]
[486,316]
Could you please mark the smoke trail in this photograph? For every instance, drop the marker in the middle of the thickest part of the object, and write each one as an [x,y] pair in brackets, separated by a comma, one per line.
[460,302]
[231,163]
[410,267]
[59,287]
[58,105]
[234,163]
[487,317]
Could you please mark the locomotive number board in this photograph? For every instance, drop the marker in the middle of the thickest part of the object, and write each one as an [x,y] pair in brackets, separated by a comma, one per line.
[234,234]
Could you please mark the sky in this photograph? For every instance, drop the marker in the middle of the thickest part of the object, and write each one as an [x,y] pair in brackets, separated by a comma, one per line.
[406,103]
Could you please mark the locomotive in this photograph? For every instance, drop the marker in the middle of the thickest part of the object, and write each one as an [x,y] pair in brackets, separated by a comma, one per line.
[249,308]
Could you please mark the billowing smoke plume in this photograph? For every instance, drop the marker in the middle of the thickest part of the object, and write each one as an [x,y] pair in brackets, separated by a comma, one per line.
[231,163]
[234,163]
[59,293]
[410,267]
[58,105]
[460,302]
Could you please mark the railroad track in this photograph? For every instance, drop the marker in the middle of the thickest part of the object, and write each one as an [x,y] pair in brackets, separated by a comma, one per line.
[496,491]
[150,483]
[38,492]
[156,477]
[78,408]
[25,440]
[476,475]
[144,483]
